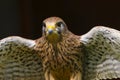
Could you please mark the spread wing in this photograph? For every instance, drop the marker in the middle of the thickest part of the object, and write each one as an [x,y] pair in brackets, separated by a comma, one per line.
[102,53]
[18,60]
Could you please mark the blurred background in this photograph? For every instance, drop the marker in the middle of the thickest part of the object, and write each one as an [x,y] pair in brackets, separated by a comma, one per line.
[24,17]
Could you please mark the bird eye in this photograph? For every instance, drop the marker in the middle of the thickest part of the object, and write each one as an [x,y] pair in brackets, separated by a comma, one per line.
[43,27]
[60,24]
[43,24]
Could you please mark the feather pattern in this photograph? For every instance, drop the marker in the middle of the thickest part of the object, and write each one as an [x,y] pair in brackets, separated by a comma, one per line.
[18,60]
[61,55]
[61,60]
[102,53]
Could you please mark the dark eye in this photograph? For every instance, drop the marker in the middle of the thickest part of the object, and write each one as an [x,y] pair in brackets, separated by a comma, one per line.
[43,27]
[60,24]
[43,24]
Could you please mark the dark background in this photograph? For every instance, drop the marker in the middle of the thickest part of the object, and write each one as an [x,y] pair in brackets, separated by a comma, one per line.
[24,17]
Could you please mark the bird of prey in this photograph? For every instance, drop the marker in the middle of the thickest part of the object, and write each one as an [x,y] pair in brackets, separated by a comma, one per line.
[61,55]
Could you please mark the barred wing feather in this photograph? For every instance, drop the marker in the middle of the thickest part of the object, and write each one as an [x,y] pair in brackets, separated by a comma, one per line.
[102,53]
[18,60]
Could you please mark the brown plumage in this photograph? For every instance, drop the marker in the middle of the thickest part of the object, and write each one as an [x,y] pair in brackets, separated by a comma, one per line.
[61,55]
[62,59]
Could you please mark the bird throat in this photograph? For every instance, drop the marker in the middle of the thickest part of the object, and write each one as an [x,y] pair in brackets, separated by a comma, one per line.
[53,38]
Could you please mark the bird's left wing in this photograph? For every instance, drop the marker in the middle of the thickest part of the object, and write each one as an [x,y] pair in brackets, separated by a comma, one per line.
[18,60]
[101,54]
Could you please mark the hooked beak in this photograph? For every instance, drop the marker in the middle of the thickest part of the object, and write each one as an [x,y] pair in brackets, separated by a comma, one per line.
[52,34]
[50,29]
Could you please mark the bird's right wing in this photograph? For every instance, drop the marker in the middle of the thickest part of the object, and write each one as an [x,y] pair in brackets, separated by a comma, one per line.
[18,60]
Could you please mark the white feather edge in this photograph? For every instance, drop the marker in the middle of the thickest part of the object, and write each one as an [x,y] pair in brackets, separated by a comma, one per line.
[17,39]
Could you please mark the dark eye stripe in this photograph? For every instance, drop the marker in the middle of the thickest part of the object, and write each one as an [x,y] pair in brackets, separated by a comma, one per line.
[43,24]
[59,24]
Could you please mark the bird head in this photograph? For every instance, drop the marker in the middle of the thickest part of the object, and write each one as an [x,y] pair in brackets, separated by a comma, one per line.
[53,29]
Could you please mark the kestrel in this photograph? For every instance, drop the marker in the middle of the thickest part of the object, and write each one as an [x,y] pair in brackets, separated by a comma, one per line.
[61,55]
